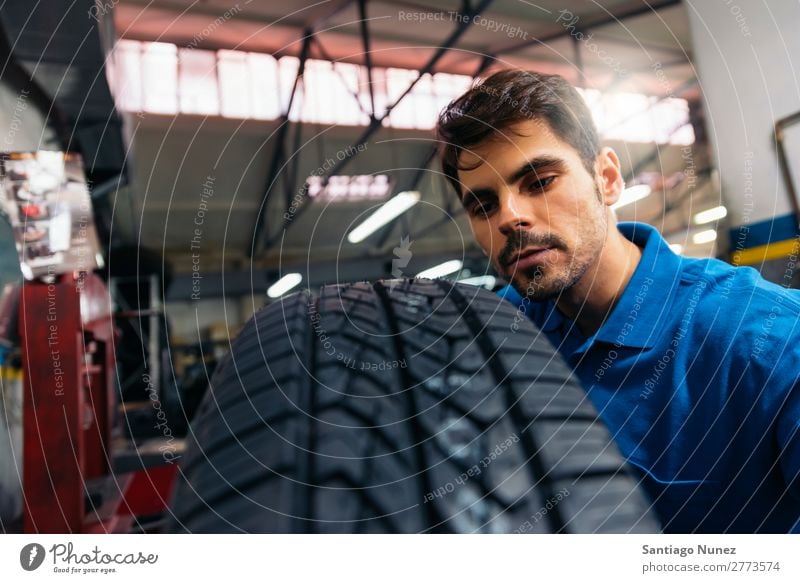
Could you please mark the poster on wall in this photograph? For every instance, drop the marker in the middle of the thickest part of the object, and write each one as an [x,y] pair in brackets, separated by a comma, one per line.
[45,196]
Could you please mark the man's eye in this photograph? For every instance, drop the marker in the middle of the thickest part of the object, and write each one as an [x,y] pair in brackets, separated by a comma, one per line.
[482,208]
[541,184]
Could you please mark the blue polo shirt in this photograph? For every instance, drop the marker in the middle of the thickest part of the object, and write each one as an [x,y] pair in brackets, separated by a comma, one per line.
[696,372]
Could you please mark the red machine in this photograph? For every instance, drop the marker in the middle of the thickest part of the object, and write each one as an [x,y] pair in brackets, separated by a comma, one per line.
[70,486]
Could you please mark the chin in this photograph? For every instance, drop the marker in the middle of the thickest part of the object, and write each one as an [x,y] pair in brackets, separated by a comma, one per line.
[541,285]
[534,290]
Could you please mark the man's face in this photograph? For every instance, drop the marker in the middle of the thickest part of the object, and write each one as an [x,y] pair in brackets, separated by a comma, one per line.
[534,209]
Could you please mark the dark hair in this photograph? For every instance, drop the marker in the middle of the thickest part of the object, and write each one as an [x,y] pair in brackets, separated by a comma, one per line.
[509,97]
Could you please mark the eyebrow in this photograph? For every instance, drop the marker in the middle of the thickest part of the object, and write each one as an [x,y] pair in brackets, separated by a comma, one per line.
[538,164]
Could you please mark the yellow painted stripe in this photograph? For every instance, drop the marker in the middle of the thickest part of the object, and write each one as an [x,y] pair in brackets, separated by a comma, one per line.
[10,374]
[775,250]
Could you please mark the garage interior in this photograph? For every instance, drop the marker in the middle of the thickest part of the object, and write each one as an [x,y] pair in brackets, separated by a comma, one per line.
[237,153]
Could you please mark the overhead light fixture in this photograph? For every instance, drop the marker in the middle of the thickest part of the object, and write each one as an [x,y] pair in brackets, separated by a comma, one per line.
[710,215]
[487,281]
[676,248]
[442,269]
[706,236]
[390,210]
[631,195]
[284,284]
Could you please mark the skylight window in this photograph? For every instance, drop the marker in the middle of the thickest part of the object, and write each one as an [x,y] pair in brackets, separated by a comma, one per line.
[243,85]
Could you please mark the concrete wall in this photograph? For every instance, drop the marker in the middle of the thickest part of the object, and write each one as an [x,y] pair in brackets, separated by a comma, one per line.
[747,56]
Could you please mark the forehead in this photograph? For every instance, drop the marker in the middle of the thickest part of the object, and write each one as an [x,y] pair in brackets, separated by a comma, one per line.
[508,149]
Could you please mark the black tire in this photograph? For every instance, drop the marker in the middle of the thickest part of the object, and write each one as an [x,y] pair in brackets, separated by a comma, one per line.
[295,437]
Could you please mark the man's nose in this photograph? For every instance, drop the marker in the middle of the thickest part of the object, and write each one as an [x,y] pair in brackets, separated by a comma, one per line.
[513,217]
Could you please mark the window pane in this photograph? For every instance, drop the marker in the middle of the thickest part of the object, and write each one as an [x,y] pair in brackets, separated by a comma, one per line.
[125,78]
[683,136]
[318,107]
[264,86]
[234,88]
[397,81]
[347,83]
[594,100]
[668,116]
[628,117]
[287,70]
[379,87]
[160,77]
[424,103]
[443,90]
[198,82]
[241,85]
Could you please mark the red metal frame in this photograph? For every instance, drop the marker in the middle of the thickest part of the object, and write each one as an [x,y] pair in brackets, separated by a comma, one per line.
[67,334]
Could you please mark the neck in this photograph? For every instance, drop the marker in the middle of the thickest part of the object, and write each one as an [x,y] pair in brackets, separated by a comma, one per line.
[591,300]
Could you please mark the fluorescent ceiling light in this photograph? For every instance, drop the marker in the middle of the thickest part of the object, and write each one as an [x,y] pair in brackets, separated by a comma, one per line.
[631,195]
[442,269]
[710,215]
[284,284]
[390,210]
[676,248]
[486,281]
[704,237]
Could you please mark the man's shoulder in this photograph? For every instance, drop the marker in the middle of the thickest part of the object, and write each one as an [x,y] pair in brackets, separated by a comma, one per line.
[739,290]
[741,316]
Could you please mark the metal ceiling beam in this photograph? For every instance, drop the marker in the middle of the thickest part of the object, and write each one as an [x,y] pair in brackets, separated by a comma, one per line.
[576,47]
[327,57]
[594,23]
[436,224]
[420,173]
[279,155]
[374,125]
[687,55]
[316,17]
[362,16]
[312,18]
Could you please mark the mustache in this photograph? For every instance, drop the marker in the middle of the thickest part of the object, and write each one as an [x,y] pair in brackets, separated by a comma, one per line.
[519,240]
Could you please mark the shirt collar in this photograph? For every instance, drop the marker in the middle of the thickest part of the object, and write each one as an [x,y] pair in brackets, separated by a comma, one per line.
[645,306]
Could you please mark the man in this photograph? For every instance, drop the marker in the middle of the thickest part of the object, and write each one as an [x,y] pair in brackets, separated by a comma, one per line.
[693,364]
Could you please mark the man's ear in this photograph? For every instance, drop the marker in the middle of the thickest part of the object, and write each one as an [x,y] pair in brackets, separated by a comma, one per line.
[609,175]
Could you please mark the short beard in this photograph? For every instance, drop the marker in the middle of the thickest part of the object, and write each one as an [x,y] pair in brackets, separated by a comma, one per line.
[530,283]
[537,290]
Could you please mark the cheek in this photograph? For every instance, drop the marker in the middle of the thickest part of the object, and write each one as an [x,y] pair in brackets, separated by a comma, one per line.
[487,235]
[576,208]
[482,233]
